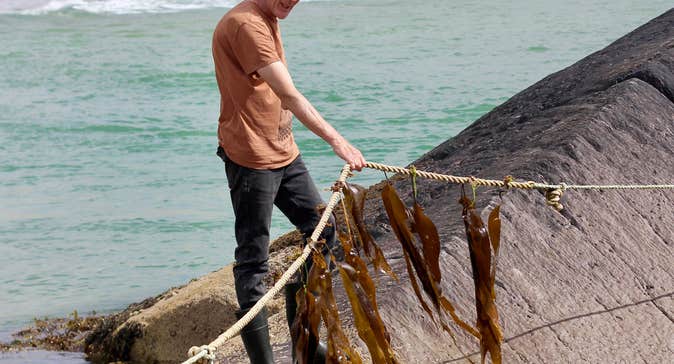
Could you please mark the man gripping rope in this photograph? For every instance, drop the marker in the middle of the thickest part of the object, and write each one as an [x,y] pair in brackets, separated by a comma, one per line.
[262,161]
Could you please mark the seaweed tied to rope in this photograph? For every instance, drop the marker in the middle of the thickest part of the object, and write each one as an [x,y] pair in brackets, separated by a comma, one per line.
[361,291]
[481,241]
[420,242]
[354,201]
[424,267]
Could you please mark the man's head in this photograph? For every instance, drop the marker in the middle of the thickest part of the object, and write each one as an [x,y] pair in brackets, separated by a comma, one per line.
[277,8]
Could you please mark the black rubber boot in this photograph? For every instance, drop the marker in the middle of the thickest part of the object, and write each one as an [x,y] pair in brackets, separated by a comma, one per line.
[318,348]
[255,338]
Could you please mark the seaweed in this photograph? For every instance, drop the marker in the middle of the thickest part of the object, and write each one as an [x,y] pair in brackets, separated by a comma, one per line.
[480,242]
[397,214]
[361,291]
[339,347]
[415,286]
[317,301]
[307,319]
[420,241]
[354,203]
[426,267]
[370,327]
[354,197]
[57,334]
[494,228]
[430,240]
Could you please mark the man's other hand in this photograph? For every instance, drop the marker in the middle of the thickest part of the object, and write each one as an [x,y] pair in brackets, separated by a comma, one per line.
[349,154]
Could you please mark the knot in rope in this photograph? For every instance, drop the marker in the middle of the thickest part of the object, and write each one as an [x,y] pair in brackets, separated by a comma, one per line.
[337,186]
[553,196]
[413,171]
[507,180]
[204,354]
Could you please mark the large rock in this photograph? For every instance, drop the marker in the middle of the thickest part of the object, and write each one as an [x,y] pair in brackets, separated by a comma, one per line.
[161,329]
[594,283]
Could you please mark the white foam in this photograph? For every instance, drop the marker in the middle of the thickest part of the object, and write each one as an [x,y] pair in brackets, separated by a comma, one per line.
[36,7]
[110,6]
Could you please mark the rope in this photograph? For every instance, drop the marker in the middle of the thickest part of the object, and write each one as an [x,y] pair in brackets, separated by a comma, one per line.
[207,351]
[508,181]
[553,195]
[198,352]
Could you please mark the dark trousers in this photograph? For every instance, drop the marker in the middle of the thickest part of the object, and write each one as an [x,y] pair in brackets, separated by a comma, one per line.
[254,192]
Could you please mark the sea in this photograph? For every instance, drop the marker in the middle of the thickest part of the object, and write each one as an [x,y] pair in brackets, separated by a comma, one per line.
[110,189]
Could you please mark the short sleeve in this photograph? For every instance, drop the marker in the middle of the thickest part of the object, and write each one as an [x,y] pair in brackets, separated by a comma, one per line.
[254,47]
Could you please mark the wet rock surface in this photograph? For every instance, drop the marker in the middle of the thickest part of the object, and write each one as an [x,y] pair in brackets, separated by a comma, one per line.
[54,334]
[163,328]
[595,282]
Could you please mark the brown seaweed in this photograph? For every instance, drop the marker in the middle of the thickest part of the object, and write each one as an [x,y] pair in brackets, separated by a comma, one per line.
[415,286]
[426,267]
[494,228]
[361,292]
[304,325]
[448,307]
[362,274]
[430,240]
[317,301]
[480,258]
[369,325]
[399,223]
[354,196]
[320,283]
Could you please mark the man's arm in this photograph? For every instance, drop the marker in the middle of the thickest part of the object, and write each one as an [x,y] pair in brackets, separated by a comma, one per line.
[278,78]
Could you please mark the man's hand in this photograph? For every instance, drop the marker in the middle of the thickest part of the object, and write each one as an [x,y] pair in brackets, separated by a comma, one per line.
[349,154]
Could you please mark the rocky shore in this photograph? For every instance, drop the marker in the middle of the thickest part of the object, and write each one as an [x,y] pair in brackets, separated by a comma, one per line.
[592,283]
[55,334]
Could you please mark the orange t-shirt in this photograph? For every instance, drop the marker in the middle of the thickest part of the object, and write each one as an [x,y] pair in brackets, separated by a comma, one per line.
[253,129]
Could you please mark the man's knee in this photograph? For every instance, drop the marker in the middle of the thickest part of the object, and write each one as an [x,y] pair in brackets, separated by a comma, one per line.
[249,281]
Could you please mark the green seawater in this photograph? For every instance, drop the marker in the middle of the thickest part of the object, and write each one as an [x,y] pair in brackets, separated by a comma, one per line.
[110,189]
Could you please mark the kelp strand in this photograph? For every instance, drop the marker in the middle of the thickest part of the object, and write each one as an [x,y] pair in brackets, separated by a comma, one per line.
[361,292]
[425,265]
[354,196]
[317,300]
[399,222]
[480,246]
[415,286]
[494,228]
[430,240]
[339,347]
[302,325]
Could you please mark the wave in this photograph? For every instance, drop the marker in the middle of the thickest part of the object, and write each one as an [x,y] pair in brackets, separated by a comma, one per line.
[36,7]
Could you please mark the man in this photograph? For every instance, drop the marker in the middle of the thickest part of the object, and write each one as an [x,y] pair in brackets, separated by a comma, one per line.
[261,158]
